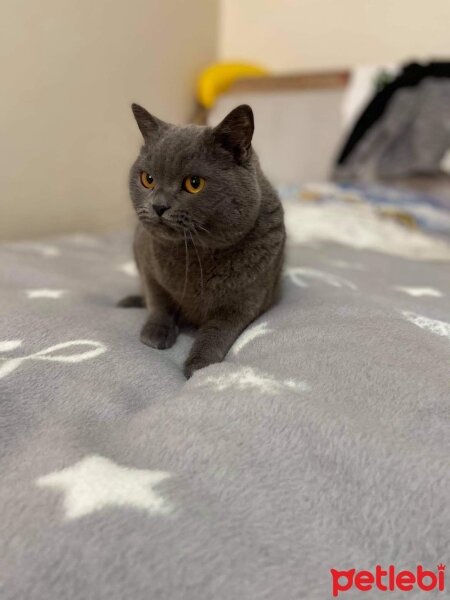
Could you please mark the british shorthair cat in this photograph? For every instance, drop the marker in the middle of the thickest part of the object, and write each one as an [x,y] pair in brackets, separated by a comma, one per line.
[210,238]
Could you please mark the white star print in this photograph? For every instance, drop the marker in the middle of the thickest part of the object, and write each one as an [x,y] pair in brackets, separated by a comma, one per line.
[298,275]
[48,354]
[441,328]
[342,264]
[6,345]
[249,335]
[96,482]
[45,293]
[416,292]
[248,378]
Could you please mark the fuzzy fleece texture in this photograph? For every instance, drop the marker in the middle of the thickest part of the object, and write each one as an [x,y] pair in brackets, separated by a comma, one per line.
[322,441]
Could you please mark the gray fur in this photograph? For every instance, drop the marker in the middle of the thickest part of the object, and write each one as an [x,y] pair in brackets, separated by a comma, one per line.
[212,259]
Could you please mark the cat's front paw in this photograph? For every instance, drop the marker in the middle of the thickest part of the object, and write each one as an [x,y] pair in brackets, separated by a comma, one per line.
[194,363]
[159,336]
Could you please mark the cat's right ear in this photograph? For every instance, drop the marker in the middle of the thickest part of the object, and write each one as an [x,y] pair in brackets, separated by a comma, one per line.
[148,125]
[235,132]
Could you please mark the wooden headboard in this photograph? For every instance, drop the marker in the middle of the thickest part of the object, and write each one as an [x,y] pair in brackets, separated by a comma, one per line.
[290,82]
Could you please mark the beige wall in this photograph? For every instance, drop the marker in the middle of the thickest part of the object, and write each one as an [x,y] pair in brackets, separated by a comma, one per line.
[318,34]
[69,70]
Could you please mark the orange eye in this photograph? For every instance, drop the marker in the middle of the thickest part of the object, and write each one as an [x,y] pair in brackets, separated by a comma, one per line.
[193,184]
[147,180]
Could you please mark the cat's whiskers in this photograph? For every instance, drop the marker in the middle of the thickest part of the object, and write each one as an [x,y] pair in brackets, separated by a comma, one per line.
[199,261]
[186,271]
[215,237]
[199,239]
[197,224]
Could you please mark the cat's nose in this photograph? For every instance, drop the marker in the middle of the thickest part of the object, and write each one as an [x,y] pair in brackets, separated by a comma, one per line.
[159,209]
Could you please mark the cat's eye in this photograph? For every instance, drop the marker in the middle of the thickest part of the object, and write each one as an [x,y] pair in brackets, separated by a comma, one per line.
[147,180]
[193,184]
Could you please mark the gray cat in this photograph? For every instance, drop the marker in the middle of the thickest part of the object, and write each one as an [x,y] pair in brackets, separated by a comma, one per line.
[209,244]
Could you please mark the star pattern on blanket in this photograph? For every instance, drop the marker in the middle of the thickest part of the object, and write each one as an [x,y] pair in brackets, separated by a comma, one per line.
[91,349]
[95,482]
[301,276]
[417,292]
[7,345]
[247,378]
[343,264]
[250,334]
[45,293]
[441,328]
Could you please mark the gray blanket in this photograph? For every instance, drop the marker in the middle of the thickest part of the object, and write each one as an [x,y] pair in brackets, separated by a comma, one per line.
[322,442]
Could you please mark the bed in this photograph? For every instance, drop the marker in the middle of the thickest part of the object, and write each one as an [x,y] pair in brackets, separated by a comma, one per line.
[321,442]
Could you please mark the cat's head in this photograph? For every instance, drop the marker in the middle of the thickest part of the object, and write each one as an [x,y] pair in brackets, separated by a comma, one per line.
[196,182]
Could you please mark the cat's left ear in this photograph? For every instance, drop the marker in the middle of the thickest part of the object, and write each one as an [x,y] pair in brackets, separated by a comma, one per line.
[149,125]
[235,132]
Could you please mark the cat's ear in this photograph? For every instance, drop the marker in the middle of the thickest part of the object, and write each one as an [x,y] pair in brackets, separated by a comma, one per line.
[147,123]
[235,132]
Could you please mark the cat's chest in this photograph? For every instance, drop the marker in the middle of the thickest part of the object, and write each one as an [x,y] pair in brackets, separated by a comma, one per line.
[187,273]
[182,273]
[197,279]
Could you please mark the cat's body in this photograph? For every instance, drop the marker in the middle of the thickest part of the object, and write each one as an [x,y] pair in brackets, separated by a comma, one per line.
[213,256]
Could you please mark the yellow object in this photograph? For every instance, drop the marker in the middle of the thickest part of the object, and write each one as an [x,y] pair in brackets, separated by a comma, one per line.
[218,77]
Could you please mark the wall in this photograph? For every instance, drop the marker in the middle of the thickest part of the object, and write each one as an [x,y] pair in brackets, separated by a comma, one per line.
[319,34]
[69,73]
[297,133]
